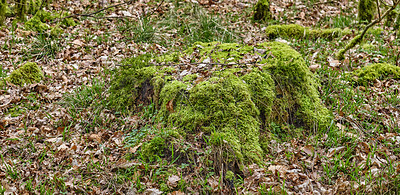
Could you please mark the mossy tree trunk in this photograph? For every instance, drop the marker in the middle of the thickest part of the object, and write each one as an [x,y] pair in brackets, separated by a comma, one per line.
[261,11]
[3,9]
[366,10]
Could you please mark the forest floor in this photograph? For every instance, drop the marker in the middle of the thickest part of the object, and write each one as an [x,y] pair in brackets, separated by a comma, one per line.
[58,136]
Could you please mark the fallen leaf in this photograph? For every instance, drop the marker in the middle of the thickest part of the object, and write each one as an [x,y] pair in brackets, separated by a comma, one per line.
[177,193]
[133,150]
[314,67]
[78,42]
[308,149]
[95,137]
[170,105]
[281,169]
[152,191]
[173,181]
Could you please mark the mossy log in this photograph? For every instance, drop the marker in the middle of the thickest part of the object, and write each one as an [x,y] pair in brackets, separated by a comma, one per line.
[241,106]
[299,32]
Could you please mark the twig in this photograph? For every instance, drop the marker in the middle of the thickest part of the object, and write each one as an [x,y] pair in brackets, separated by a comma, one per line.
[326,2]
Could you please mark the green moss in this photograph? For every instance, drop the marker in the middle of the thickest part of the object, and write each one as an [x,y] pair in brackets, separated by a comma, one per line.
[261,10]
[230,175]
[190,77]
[298,32]
[291,30]
[233,107]
[375,31]
[153,148]
[68,22]
[297,101]
[9,11]
[26,74]
[356,40]
[3,10]
[36,24]
[376,71]
[56,31]
[328,33]
[222,98]
[39,22]
[368,46]
[366,10]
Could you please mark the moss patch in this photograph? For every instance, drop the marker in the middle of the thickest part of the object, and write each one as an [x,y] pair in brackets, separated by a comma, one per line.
[153,148]
[233,106]
[298,32]
[26,74]
[376,71]
[39,21]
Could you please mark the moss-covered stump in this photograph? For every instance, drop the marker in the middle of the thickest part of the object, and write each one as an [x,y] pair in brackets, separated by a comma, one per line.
[26,74]
[372,72]
[366,10]
[235,106]
[300,32]
[3,10]
[261,11]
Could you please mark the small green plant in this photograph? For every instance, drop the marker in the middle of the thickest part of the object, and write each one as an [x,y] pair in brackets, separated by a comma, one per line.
[141,31]
[45,46]
[10,170]
[2,189]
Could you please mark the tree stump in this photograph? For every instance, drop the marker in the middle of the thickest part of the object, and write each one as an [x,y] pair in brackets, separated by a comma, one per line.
[240,96]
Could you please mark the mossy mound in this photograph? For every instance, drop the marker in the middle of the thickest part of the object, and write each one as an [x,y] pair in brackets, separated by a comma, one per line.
[234,106]
[299,32]
[376,71]
[26,74]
